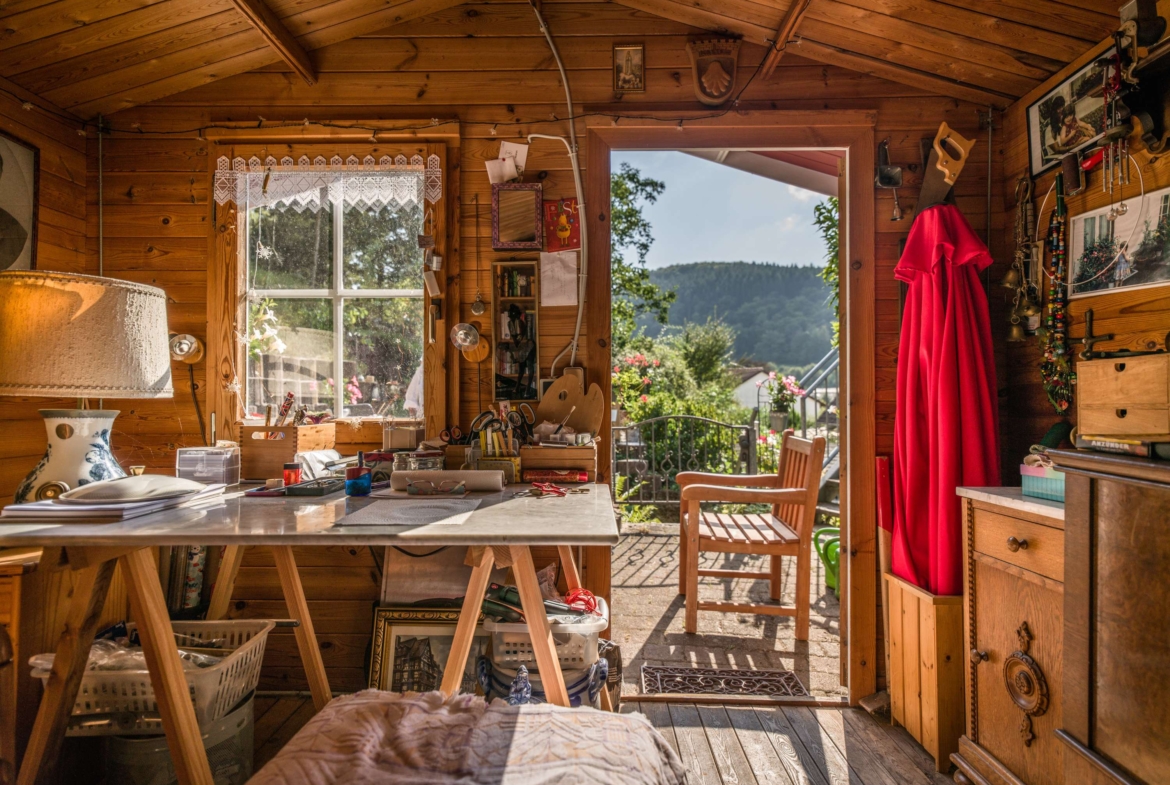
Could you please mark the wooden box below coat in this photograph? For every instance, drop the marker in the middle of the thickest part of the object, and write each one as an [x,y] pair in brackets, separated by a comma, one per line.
[926,667]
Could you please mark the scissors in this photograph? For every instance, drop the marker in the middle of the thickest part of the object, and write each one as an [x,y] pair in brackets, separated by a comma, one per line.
[522,418]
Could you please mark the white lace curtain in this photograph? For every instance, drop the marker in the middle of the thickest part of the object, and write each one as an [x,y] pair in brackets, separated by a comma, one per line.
[305,184]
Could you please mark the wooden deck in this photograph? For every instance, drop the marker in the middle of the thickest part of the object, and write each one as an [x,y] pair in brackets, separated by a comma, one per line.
[722,745]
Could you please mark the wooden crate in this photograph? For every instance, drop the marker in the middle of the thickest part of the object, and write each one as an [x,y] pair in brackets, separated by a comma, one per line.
[561,458]
[264,459]
[927,667]
[366,435]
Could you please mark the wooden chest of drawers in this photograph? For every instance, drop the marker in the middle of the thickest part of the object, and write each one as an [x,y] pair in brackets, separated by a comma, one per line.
[1124,397]
[1013,601]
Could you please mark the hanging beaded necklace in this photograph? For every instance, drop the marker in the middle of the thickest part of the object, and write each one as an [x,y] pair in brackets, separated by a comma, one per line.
[1056,368]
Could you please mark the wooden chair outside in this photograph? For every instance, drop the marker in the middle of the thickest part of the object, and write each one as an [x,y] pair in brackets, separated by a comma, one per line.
[787,531]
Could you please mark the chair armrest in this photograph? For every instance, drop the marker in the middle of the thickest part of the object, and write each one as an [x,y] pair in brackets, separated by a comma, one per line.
[738,480]
[721,493]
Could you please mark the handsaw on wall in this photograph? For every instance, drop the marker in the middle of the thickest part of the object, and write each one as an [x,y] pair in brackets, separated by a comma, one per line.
[948,156]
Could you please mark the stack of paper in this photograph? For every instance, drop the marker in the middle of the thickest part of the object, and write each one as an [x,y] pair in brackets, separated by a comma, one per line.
[52,511]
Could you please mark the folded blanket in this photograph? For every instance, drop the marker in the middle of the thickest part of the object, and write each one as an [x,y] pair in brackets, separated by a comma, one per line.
[383,738]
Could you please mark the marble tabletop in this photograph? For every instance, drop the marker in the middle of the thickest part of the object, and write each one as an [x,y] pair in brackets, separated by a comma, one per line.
[1015,499]
[501,519]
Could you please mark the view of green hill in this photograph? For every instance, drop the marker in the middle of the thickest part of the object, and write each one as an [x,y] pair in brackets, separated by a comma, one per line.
[780,312]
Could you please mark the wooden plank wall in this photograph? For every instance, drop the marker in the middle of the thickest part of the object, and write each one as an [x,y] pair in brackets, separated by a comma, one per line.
[1138,318]
[61,237]
[487,65]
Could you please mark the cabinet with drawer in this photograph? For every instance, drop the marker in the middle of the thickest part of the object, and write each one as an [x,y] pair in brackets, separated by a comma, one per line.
[1127,396]
[1013,601]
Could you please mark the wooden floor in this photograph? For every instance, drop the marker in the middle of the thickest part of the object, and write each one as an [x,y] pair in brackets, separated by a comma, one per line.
[726,745]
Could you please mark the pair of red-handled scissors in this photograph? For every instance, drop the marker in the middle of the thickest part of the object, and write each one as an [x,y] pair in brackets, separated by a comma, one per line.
[552,489]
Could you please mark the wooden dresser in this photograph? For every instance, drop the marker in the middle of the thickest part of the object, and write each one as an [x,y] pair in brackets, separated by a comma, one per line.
[1115,726]
[1014,608]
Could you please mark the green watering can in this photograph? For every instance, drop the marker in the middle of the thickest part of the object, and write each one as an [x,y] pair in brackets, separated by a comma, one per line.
[827,541]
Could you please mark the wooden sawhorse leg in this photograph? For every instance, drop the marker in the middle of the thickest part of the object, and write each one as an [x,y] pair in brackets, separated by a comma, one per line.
[298,608]
[171,691]
[44,745]
[531,601]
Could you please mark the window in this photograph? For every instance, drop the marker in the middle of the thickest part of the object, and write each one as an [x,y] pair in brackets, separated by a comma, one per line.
[335,311]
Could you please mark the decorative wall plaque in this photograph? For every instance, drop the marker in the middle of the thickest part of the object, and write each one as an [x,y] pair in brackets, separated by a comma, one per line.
[713,66]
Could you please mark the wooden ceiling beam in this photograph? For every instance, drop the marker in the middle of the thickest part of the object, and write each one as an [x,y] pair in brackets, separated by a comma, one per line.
[784,34]
[932,83]
[278,37]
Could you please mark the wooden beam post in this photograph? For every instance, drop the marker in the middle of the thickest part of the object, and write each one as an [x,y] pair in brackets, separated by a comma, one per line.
[278,37]
[784,33]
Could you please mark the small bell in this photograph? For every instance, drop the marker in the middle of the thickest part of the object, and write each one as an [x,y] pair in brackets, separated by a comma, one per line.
[1016,331]
[1012,278]
[1028,309]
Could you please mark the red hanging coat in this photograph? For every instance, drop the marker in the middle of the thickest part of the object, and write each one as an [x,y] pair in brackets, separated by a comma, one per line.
[946,431]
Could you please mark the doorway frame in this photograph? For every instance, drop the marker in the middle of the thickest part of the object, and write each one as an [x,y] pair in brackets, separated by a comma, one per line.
[853,132]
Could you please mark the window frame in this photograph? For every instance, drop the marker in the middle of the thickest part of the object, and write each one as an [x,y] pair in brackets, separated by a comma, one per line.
[227,293]
[337,294]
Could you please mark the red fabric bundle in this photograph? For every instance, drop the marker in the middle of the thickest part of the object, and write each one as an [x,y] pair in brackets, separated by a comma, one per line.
[946,431]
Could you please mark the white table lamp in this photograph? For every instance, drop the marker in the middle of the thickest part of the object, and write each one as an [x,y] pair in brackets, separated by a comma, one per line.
[78,336]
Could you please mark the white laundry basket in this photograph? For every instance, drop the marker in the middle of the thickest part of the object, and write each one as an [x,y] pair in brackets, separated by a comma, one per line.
[127,697]
[576,643]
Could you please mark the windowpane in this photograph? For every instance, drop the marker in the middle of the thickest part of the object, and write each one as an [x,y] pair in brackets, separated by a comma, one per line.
[383,354]
[289,249]
[380,248]
[290,349]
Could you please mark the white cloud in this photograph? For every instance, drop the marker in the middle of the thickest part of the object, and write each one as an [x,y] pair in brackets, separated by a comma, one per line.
[789,223]
[800,194]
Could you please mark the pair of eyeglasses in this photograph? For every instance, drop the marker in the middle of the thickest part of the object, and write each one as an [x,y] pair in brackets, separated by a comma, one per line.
[428,488]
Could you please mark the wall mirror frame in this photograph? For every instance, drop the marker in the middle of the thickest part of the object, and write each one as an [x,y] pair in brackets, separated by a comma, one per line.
[517,217]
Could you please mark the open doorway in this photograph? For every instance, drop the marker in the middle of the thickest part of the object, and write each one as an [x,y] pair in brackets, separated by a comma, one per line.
[725,335]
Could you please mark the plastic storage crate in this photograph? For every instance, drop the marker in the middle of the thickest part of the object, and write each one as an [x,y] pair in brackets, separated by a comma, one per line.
[146,760]
[576,643]
[126,698]
[1042,483]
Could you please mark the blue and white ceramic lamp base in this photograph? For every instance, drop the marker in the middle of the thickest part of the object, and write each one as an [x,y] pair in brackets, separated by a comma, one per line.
[78,453]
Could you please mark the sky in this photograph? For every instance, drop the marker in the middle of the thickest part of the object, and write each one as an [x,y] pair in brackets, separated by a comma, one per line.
[713,213]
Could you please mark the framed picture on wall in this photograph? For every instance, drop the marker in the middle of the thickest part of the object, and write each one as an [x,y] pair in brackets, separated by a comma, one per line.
[1113,250]
[19,180]
[629,69]
[1070,117]
[411,645]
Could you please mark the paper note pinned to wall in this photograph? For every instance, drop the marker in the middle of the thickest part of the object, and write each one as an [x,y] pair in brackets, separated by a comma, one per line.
[501,170]
[516,153]
[558,278]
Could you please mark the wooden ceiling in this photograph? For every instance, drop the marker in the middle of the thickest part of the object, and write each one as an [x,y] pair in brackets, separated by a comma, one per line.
[100,56]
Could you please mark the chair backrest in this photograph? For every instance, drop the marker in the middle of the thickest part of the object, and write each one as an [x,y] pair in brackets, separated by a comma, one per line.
[800,467]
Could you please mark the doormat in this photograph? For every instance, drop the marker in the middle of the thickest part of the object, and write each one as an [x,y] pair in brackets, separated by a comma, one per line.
[659,679]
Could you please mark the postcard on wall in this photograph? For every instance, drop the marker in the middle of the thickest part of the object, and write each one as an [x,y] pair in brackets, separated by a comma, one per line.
[1132,250]
[562,225]
[1070,116]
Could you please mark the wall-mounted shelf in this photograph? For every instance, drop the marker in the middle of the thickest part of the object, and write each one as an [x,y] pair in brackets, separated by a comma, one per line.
[515,338]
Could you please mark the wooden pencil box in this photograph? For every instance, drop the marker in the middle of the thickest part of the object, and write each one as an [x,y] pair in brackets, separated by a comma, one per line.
[263,458]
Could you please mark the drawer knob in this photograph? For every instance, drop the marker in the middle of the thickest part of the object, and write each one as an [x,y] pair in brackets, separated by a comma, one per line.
[1016,545]
[978,656]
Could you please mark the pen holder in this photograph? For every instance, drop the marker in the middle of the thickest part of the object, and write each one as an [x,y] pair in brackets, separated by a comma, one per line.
[507,461]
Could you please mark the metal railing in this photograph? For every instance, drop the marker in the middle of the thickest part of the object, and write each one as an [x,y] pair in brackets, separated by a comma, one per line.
[647,456]
[816,409]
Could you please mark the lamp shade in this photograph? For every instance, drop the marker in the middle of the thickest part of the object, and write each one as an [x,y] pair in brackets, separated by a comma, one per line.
[80,336]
